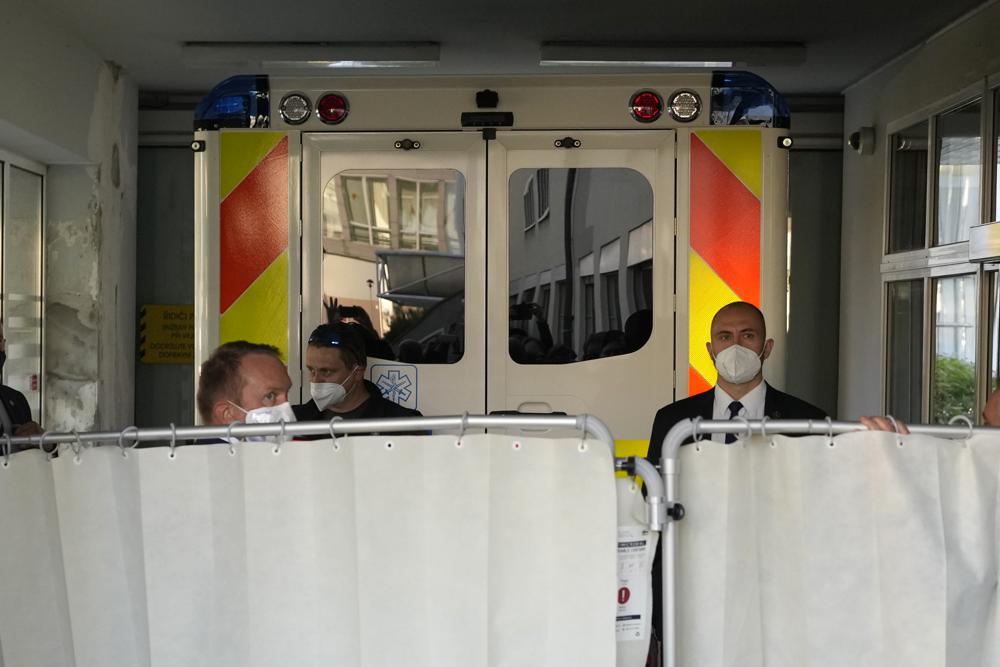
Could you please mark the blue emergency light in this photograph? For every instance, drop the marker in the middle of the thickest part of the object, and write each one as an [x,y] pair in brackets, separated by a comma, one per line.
[239,101]
[742,98]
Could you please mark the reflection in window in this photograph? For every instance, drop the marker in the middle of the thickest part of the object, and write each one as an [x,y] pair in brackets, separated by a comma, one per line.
[954,388]
[399,269]
[906,325]
[612,305]
[599,224]
[908,189]
[958,172]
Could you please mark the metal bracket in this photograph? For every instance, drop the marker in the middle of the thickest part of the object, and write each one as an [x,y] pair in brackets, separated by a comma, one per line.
[407,145]
[568,142]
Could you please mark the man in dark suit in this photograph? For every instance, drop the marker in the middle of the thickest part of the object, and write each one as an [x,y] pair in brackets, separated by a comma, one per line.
[738,346]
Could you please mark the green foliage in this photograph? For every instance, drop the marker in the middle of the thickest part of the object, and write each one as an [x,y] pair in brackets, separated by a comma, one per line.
[954,389]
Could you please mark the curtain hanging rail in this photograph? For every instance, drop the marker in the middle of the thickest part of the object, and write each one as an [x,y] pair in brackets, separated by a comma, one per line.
[690,428]
[131,435]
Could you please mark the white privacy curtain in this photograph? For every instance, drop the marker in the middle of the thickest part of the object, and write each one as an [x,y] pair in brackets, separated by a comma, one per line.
[373,551]
[872,550]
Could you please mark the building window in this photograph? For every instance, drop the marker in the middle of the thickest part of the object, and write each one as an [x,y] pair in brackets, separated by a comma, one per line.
[908,188]
[905,301]
[958,171]
[934,298]
[22,303]
[954,372]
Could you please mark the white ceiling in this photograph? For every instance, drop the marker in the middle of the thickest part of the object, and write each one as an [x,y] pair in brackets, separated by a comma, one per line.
[843,40]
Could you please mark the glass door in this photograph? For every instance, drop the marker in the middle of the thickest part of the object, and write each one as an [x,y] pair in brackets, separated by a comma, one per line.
[580,262]
[394,239]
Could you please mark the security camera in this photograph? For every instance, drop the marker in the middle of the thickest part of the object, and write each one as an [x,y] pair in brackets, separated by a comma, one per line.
[863,141]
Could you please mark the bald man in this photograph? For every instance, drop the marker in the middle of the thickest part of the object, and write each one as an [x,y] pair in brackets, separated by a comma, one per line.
[739,346]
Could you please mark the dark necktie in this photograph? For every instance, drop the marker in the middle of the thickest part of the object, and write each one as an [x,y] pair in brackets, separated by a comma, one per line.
[734,412]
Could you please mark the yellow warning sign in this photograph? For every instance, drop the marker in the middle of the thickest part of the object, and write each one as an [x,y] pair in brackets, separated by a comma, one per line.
[166,334]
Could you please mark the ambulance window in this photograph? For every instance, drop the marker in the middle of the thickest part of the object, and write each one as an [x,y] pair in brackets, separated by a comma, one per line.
[394,260]
[598,223]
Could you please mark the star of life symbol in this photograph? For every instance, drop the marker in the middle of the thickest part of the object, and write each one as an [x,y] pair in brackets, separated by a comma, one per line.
[395,386]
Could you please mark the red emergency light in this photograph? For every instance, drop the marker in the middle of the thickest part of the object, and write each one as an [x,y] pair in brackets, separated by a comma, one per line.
[645,106]
[332,108]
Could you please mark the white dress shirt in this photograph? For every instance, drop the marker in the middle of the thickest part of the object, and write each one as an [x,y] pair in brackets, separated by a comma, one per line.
[753,406]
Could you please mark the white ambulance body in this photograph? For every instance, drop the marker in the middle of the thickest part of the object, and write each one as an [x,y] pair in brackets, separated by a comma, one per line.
[533,244]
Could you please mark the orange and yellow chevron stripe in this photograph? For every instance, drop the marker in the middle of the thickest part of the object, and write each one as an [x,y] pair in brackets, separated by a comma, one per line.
[253,238]
[724,257]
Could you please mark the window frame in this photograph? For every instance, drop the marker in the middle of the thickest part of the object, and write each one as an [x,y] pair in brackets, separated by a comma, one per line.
[7,161]
[932,262]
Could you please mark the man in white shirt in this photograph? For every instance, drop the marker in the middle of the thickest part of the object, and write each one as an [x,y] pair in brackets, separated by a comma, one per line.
[739,346]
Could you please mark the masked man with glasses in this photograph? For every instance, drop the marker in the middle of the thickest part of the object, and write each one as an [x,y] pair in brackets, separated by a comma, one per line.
[336,360]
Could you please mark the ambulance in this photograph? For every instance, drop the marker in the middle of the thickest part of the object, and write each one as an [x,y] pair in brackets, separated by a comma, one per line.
[511,244]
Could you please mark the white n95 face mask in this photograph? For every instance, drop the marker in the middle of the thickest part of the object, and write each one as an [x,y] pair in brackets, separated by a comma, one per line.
[270,414]
[737,364]
[326,394]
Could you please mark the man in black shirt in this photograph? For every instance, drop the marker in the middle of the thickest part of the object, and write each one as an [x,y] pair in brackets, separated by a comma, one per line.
[336,360]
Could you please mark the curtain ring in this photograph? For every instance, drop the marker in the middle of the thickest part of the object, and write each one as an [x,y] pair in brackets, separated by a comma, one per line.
[895,424]
[121,439]
[41,445]
[895,427]
[963,418]
[77,447]
[745,422]
[173,440]
[829,428]
[763,426]
[281,438]
[6,450]
[229,437]
[462,426]
[333,436]
[696,434]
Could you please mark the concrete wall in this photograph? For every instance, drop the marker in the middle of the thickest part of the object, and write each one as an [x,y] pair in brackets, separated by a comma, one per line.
[955,59]
[66,107]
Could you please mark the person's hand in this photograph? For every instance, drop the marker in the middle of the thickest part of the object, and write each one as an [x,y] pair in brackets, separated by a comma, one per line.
[991,412]
[884,424]
[28,428]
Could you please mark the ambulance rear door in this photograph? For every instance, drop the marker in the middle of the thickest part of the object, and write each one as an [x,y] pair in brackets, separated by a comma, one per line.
[581,274]
[392,226]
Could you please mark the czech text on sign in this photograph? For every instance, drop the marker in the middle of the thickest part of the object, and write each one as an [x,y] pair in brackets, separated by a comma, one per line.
[166,334]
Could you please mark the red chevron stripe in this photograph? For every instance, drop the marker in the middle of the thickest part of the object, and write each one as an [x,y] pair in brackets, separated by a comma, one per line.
[696,383]
[725,223]
[253,225]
